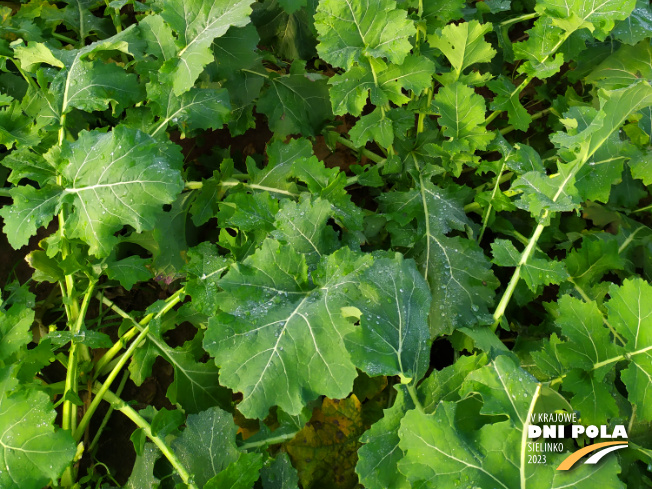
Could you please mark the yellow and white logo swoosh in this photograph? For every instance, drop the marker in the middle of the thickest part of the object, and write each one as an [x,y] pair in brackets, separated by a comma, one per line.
[602,450]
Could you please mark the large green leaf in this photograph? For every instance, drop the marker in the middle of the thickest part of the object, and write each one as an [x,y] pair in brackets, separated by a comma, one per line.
[197,23]
[207,445]
[463,45]
[33,453]
[115,179]
[637,26]
[280,474]
[378,458]
[456,269]
[440,451]
[351,30]
[598,17]
[393,337]
[31,209]
[630,313]
[296,103]
[349,91]
[199,108]
[462,117]
[280,340]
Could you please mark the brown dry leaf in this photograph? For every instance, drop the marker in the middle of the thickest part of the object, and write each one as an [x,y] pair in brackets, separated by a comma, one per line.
[324,452]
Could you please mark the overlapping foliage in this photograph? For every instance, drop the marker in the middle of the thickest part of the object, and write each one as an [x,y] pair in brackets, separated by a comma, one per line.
[478,252]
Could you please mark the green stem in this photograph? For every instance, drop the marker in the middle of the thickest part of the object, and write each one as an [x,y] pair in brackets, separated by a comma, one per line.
[629,239]
[139,421]
[118,392]
[642,209]
[61,37]
[69,416]
[520,18]
[79,432]
[507,295]
[534,117]
[4,192]
[171,301]
[363,151]
[524,435]
[274,440]
[254,73]
[233,183]
[412,390]
[485,220]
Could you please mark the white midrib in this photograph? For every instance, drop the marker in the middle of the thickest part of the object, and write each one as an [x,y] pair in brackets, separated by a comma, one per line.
[275,348]
[524,434]
[78,190]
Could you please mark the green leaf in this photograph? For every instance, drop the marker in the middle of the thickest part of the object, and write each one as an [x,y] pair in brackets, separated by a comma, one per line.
[542,193]
[159,39]
[349,91]
[282,159]
[241,474]
[538,51]
[78,17]
[438,13]
[94,85]
[207,446]
[637,26]
[598,18]
[16,128]
[393,337]
[34,54]
[291,6]
[280,474]
[31,209]
[373,127]
[444,385]
[280,340]
[522,159]
[351,30]
[498,383]
[129,271]
[536,272]
[440,450]
[142,475]
[592,398]
[437,452]
[456,269]
[288,35]
[195,385]
[507,99]
[598,255]
[197,23]
[236,57]
[380,455]
[303,226]
[15,334]
[630,314]
[296,103]
[33,452]
[115,179]
[462,117]
[204,269]
[589,340]
[198,108]
[623,67]
[463,45]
